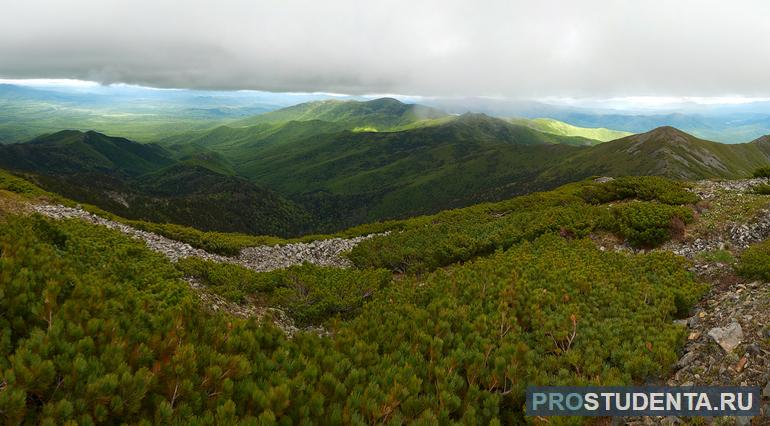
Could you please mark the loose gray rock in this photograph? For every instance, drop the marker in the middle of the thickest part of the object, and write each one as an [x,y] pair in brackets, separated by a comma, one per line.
[728,337]
[743,421]
[687,359]
[327,252]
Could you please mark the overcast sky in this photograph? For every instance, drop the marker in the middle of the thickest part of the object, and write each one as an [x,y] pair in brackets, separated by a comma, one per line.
[518,49]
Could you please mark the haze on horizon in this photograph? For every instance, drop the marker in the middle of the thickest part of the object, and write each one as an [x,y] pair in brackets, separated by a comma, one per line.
[653,50]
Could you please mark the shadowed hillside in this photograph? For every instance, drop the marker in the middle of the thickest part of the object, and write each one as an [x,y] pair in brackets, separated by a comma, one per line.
[145,182]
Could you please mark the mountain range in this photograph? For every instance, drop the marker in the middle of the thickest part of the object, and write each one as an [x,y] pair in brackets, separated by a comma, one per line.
[327,165]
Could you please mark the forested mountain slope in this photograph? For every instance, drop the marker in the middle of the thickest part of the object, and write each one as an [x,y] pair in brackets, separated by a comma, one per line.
[367,176]
[377,114]
[666,151]
[594,135]
[146,182]
[324,176]
[72,151]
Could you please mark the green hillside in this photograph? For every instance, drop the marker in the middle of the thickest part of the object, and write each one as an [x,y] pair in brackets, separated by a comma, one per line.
[345,175]
[338,174]
[146,182]
[72,151]
[356,177]
[556,127]
[379,114]
[668,152]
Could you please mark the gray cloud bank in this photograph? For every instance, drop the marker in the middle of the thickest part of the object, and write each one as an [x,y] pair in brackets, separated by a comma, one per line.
[437,48]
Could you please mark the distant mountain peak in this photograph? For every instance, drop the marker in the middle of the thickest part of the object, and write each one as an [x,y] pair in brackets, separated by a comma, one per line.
[663,135]
[385,101]
[669,131]
[382,113]
[67,132]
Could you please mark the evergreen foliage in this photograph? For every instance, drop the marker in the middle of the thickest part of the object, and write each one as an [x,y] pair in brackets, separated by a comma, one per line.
[9,182]
[574,210]
[762,172]
[754,262]
[646,224]
[762,189]
[309,294]
[645,188]
[96,328]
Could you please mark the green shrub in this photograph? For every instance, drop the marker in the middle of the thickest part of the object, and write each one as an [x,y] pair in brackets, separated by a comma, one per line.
[762,189]
[646,224]
[717,256]
[312,294]
[431,242]
[754,262]
[226,244]
[309,294]
[646,188]
[424,249]
[95,328]
[19,185]
[762,172]
[232,282]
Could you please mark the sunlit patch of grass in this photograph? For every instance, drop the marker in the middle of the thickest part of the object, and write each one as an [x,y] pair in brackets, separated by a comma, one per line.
[364,129]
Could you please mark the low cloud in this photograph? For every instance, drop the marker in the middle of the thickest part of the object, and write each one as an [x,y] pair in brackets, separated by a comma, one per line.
[592,48]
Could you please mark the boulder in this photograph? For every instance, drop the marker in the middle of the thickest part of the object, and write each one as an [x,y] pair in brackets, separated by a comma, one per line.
[728,337]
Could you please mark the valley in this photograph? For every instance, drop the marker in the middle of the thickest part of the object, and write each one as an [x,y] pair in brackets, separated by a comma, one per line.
[324,166]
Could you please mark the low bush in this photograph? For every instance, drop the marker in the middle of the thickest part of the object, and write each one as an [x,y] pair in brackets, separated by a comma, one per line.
[424,249]
[646,224]
[19,185]
[226,244]
[762,189]
[762,172]
[645,188]
[717,256]
[754,262]
[95,328]
[309,294]
[430,242]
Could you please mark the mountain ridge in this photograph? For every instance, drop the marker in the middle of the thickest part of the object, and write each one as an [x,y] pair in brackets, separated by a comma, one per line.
[344,175]
[664,151]
[145,181]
